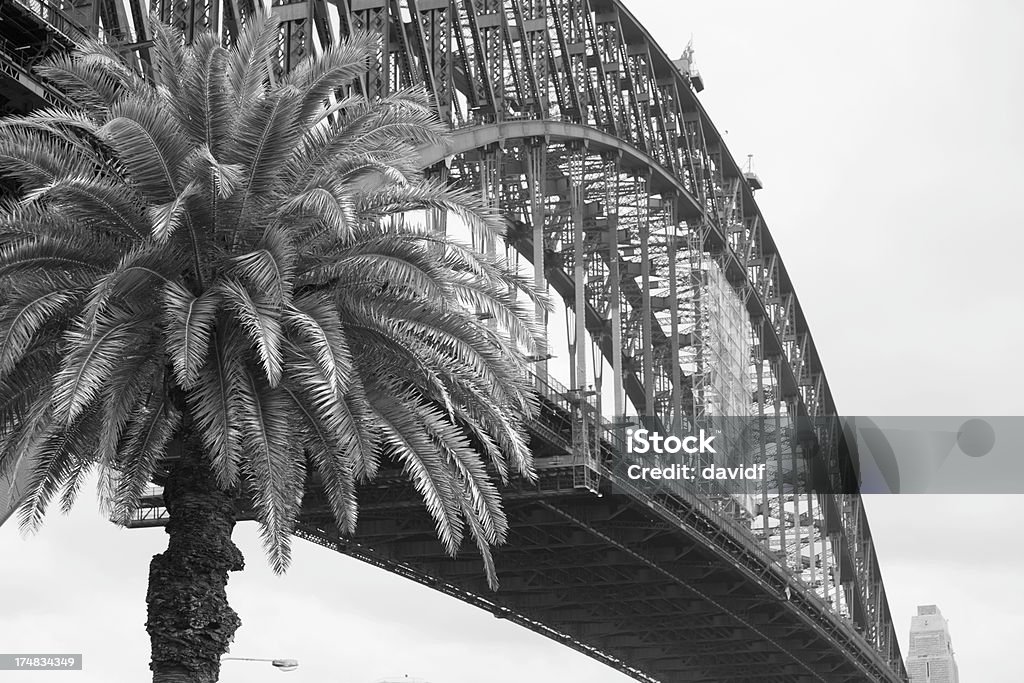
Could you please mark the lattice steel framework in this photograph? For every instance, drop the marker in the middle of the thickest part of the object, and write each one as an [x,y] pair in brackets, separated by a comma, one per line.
[620,192]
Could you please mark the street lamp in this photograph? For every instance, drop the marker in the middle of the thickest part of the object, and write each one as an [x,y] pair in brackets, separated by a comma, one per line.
[282,664]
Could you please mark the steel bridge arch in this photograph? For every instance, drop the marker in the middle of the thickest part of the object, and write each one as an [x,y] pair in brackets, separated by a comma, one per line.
[662,180]
[486,137]
[586,77]
[478,139]
[464,140]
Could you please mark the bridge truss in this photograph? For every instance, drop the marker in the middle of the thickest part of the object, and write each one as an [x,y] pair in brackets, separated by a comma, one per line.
[623,198]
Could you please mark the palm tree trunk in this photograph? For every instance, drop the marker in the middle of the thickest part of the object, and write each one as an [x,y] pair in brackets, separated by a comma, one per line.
[190,623]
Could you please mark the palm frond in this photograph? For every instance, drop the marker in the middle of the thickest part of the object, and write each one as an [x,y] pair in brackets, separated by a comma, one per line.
[445,337]
[36,254]
[206,111]
[137,380]
[319,325]
[372,169]
[400,121]
[150,144]
[94,52]
[274,466]
[321,207]
[488,419]
[266,132]
[25,221]
[36,161]
[469,471]
[88,84]
[224,177]
[269,267]
[248,70]
[214,403]
[79,471]
[433,194]
[94,202]
[89,360]
[317,78]
[24,397]
[406,441]
[165,218]
[151,429]
[320,438]
[21,319]
[261,323]
[483,544]
[360,439]
[140,270]
[54,461]
[69,126]
[170,57]
[188,325]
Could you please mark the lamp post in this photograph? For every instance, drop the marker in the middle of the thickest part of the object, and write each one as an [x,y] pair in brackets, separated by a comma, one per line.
[282,664]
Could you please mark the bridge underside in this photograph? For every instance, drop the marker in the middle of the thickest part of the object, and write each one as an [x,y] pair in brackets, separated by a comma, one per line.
[660,584]
[27,36]
[657,585]
[607,575]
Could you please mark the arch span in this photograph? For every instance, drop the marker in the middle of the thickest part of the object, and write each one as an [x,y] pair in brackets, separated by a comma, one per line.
[631,158]
[574,121]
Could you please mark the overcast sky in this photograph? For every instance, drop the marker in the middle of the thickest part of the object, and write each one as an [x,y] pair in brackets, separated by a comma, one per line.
[889,140]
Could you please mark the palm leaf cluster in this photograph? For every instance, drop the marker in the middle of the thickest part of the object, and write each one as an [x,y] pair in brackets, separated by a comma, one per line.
[210,249]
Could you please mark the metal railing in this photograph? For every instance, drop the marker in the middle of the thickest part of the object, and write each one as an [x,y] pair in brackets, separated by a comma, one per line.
[16,54]
[613,442]
[56,19]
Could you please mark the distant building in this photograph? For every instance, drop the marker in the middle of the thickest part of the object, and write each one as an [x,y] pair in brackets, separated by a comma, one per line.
[931,651]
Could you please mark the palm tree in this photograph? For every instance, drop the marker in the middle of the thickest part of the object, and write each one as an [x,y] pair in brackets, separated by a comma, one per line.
[211,279]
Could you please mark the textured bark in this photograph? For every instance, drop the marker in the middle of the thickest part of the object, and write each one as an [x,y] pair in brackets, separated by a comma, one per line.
[190,623]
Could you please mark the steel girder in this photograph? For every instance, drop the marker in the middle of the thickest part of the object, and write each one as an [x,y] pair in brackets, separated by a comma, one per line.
[616,576]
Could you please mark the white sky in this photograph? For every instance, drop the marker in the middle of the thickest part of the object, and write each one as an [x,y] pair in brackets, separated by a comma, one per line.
[889,140]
